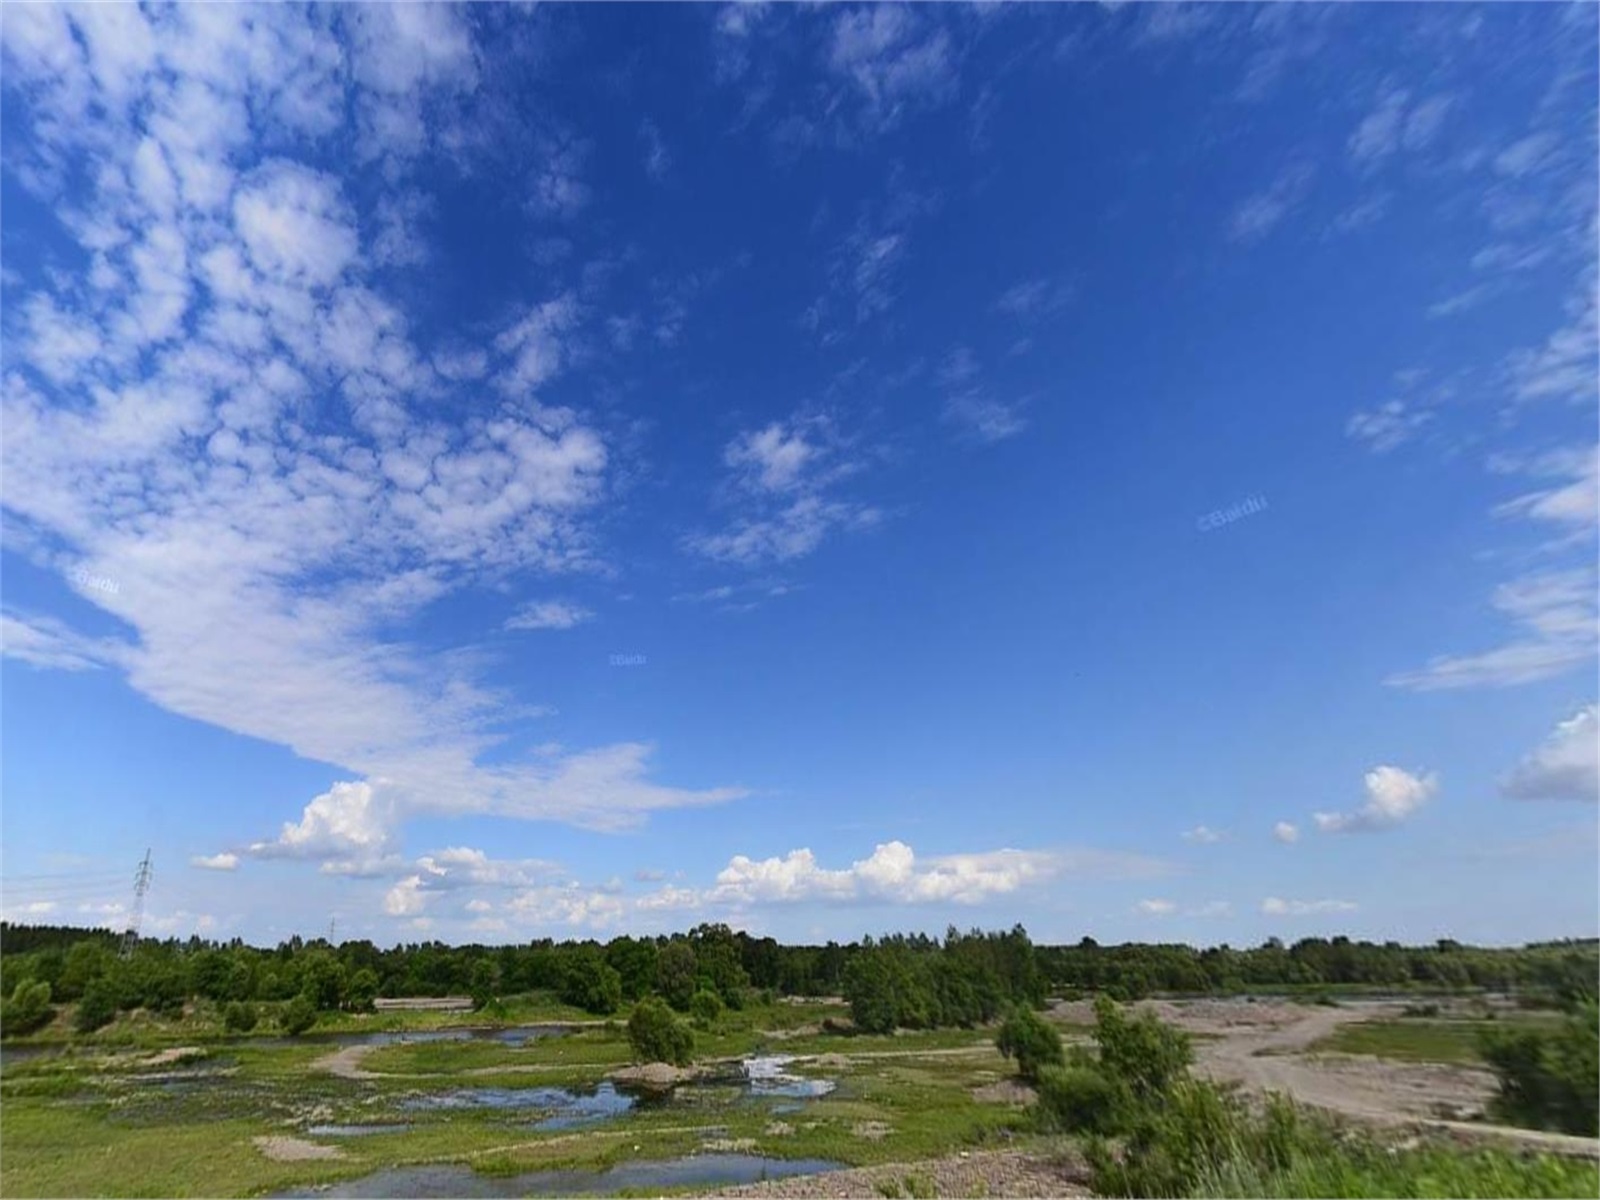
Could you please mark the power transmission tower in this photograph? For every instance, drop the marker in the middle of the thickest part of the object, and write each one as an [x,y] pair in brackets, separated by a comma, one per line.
[141,885]
[333,925]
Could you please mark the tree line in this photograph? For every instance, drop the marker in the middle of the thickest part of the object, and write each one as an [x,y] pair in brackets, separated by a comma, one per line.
[908,981]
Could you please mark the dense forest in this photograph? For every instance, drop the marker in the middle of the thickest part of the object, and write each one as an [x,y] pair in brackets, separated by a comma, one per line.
[911,981]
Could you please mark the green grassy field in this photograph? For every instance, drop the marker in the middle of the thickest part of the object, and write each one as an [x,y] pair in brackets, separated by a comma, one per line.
[1425,1040]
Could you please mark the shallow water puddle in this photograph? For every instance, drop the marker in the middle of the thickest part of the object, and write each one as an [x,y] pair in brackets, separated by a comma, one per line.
[566,1107]
[766,1077]
[701,1170]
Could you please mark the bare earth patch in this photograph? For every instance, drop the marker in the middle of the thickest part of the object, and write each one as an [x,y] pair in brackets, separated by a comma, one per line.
[293,1149]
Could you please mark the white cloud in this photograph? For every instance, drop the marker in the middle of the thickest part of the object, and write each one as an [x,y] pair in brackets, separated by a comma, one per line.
[1393,795]
[406,898]
[894,874]
[1397,123]
[773,459]
[283,486]
[984,417]
[1565,766]
[1202,835]
[215,862]
[1273,906]
[1155,908]
[894,59]
[1556,613]
[783,474]
[46,642]
[1286,832]
[548,614]
[1389,425]
[1261,213]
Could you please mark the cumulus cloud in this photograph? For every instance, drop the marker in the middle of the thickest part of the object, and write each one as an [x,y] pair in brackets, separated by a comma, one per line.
[1565,766]
[1202,835]
[215,862]
[894,874]
[1273,906]
[1286,832]
[1393,795]
[1155,908]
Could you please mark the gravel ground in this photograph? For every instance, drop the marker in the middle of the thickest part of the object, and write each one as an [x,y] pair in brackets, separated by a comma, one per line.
[980,1173]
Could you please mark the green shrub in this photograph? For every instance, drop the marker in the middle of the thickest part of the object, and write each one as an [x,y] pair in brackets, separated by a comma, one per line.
[706,1008]
[239,1016]
[656,1035]
[298,1015]
[1031,1040]
[26,1010]
[1549,1080]
[97,1007]
[1140,1053]
[1077,1100]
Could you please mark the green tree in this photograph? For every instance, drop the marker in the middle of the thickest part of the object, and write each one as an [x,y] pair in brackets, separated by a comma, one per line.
[1031,1040]
[239,1016]
[706,1008]
[590,984]
[27,1009]
[1550,1080]
[97,1006]
[298,1015]
[636,962]
[675,974]
[656,1035]
[362,990]
[1139,1053]
[483,982]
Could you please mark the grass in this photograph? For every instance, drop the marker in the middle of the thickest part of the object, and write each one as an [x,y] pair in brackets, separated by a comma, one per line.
[1414,1040]
[1426,1172]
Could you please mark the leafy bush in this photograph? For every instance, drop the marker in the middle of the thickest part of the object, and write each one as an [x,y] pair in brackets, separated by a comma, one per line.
[1031,1040]
[706,1008]
[299,1015]
[27,1009]
[239,1016]
[1077,1099]
[1143,1055]
[1550,1080]
[657,1035]
[97,1007]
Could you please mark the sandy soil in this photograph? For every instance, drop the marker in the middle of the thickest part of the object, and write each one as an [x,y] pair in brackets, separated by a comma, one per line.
[988,1172]
[293,1149]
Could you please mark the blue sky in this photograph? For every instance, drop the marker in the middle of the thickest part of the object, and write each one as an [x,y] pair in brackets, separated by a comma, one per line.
[489,473]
